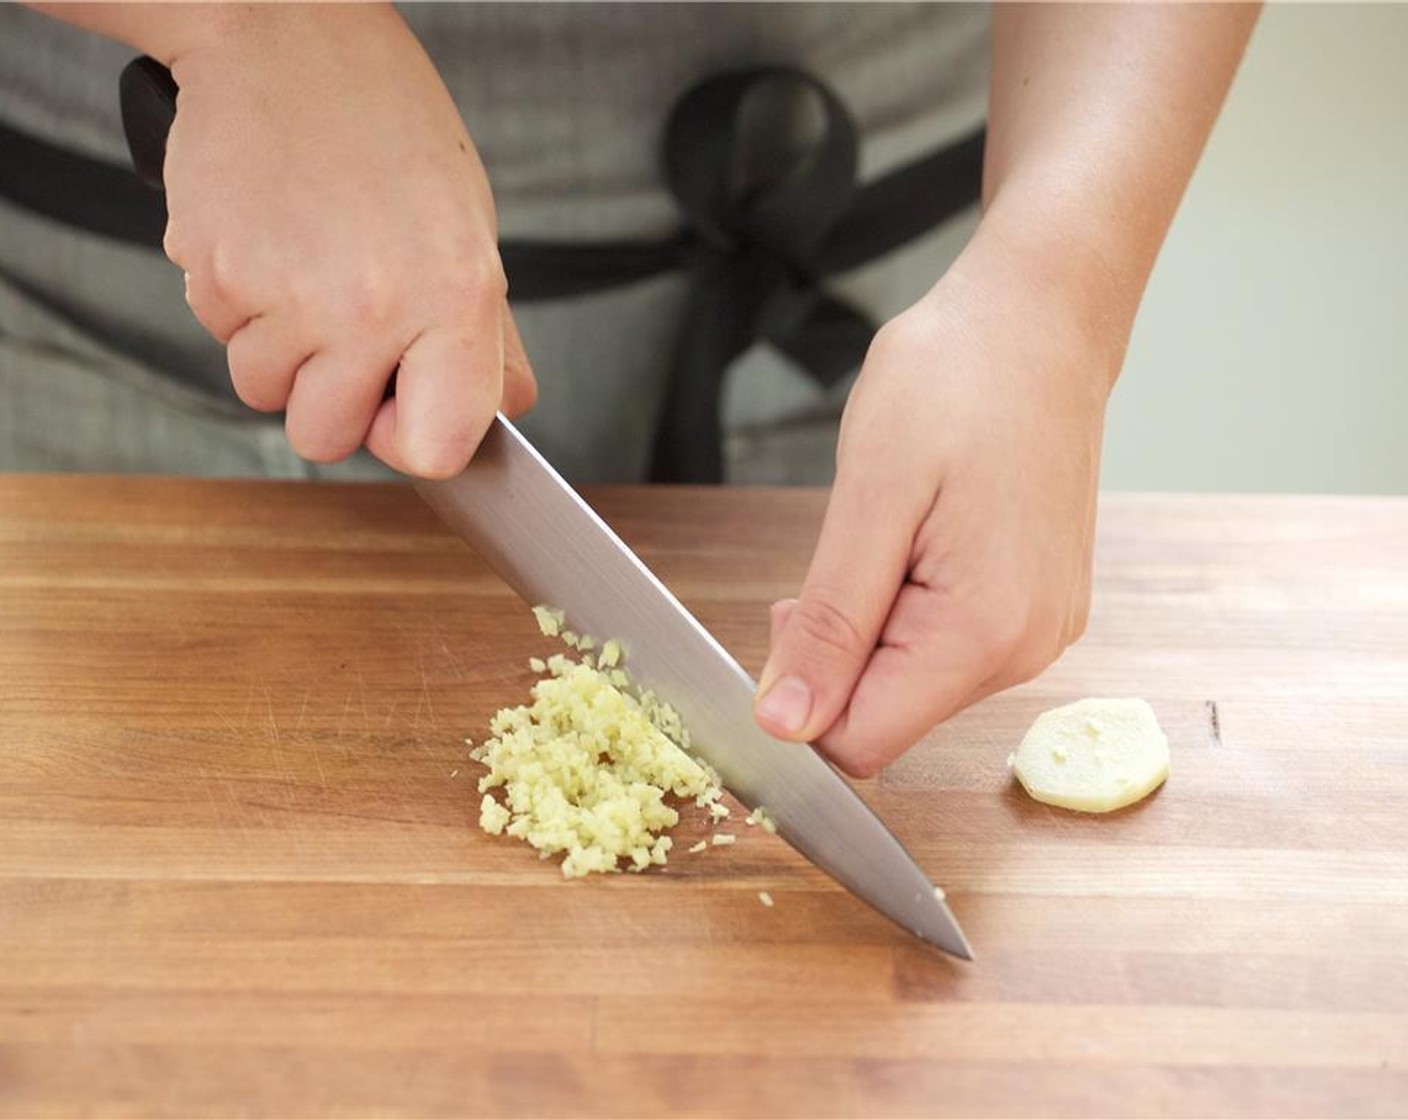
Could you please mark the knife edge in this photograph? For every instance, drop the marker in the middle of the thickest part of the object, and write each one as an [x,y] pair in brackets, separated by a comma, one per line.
[551,547]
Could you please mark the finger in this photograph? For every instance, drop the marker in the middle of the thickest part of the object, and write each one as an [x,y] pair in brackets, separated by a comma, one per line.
[264,355]
[778,614]
[932,662]
[381,437]
[520,392]
[213,308]
[447,392]
[858,568]
[335,396]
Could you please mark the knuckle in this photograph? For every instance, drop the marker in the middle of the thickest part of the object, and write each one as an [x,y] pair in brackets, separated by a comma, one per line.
[445,451]
[898,336]
[221,273]
[302,296]
[175,245]
[440,458]
[1004,639]
[478,276]
[825,627]
[316,442]
[254,396]
[520,394]
[865,764]
[860,756]
[256,391]
[887,338]
[495,279]
[370,297]
[253,382]
[1031,648]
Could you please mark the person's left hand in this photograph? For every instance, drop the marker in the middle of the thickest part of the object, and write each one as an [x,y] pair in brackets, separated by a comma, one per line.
[955,557]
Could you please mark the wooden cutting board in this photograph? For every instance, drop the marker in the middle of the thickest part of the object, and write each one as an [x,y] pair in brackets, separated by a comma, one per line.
[240,872]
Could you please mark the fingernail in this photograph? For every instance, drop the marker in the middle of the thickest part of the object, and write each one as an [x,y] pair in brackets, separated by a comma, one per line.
[787,704]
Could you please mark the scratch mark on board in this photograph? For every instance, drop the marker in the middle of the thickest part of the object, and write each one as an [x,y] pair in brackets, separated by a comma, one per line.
[424,702]
[273,720]
[362,696]
[237,806]
[451,657]
[318,761]
[341,729]
[285,777]
[248,702]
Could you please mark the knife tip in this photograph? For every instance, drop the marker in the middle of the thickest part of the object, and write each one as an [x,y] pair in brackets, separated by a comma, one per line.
[947,934]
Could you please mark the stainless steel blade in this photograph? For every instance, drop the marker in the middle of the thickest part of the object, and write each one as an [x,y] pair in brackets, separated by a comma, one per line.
[551,547]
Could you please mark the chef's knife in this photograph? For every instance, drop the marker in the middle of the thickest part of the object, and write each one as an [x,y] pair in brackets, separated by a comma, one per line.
[546,543]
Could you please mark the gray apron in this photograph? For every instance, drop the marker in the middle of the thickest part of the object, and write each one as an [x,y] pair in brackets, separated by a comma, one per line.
[102,368]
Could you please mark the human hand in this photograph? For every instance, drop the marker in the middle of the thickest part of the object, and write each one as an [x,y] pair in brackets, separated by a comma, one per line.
[955,556]
[335,223]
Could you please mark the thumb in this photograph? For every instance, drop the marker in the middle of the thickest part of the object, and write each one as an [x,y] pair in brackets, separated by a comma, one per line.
[822,642]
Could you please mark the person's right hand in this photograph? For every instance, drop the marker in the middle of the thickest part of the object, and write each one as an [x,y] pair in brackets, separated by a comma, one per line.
[335,223]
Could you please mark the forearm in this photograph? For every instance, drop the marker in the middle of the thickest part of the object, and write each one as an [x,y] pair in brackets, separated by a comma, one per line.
[1098,116]
[167,32]
[164,31]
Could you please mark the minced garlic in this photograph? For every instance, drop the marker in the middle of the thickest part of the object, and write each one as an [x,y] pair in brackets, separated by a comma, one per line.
[493,817]
[724,838]
[760,816]
[765,898]
[587,767]
[699,847]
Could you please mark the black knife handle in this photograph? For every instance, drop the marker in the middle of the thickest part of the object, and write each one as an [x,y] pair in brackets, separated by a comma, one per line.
[148,95]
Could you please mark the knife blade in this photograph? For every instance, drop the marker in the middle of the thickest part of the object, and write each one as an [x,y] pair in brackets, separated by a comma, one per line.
[546,543]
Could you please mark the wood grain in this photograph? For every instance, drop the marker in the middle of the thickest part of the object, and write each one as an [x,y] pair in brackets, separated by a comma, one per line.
[240,873]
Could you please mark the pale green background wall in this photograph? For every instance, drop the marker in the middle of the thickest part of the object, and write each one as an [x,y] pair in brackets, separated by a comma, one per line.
[1271,353]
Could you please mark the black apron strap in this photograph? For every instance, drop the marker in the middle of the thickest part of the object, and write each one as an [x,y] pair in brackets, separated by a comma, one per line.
[906,203]
[78,190]
[762,255]
[755,251]
[756,259]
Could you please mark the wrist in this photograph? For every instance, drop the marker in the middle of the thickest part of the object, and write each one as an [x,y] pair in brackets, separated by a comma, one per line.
[1058,265]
